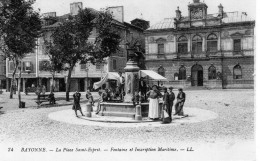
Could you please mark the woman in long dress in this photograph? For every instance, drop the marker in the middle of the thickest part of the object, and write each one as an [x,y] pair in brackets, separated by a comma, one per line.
[154,96]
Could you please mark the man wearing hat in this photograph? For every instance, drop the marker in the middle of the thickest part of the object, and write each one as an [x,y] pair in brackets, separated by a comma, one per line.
[171,100]
[180,102]
[166,106]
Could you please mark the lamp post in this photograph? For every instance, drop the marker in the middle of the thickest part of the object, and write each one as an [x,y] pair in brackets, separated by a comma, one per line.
[87,70]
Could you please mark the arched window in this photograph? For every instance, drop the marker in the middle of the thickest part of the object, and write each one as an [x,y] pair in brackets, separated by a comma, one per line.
[182,44]
[197,44]
[161,71]
[176,76]
[212,43]
[182,73]
[212,72]
[237,72]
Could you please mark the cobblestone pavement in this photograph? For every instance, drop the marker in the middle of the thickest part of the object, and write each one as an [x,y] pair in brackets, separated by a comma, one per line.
[233,126]
[235,109]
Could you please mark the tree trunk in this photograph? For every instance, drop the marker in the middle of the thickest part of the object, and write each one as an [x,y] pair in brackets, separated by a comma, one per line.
[68,85]
[13,80]
[52,82]
[19,87]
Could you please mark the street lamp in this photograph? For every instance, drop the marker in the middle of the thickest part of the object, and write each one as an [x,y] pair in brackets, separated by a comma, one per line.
[87,69]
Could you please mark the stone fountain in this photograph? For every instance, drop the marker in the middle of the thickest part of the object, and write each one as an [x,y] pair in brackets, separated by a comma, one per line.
[127,108]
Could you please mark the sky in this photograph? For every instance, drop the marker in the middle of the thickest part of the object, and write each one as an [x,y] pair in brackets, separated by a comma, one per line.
[150,10]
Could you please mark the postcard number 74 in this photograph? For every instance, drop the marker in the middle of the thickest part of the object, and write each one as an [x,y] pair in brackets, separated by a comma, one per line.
[10,149]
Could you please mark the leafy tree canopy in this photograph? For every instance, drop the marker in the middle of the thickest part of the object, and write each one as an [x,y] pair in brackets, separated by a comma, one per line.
[20,26]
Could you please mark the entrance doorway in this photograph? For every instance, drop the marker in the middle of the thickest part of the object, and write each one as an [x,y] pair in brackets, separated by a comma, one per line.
[197,75]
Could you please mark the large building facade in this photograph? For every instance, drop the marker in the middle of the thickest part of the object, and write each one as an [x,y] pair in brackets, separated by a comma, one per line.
[83,75]
[201,49]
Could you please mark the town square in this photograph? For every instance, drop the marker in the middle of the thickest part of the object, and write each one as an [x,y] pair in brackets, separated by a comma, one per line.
[111,80]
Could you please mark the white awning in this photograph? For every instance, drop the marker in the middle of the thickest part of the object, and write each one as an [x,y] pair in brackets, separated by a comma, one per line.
[152,74]
[109,75]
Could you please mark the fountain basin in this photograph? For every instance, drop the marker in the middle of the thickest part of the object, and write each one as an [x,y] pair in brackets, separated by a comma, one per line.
[122,109]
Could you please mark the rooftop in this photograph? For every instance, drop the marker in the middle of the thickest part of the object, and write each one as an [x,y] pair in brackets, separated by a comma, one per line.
[229,17]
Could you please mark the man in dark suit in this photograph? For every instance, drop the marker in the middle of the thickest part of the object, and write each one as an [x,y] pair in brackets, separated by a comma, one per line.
[171,99]
[180,102]
[166,106]
[76,105]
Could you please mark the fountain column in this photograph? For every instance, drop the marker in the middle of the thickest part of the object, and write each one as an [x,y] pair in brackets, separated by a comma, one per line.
[131,79]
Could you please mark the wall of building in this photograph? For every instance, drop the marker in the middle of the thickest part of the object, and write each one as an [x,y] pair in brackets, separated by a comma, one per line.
[225,56]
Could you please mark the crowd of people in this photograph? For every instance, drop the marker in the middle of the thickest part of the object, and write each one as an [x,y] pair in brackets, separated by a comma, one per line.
[156,112]
[168,97]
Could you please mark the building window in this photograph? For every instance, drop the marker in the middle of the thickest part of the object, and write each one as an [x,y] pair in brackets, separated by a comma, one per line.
[83,66]
[182,73]
[114,64]
[212,43]
[237,72]
[43,65]
[237,44]
[11,66]
[197,44]
[99,66]
[160,48]
[212,72]
[161,71]
[27,66]
[182,45]
[176,76]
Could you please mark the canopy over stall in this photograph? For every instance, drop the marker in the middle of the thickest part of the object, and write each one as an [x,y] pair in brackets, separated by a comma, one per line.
[115,76]
[152,75]
[109,75]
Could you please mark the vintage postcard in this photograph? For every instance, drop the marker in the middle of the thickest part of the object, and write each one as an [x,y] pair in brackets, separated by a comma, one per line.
[128,80]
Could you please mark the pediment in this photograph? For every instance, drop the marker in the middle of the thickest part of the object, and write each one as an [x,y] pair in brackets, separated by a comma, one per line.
[160,40]
[237,34]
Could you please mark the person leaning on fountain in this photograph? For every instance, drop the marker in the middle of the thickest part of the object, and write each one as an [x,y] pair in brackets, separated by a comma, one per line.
[76,105]
[121,82]
[138,98]
[154,96]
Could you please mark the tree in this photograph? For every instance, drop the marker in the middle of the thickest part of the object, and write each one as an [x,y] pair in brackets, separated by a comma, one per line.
[55,61]
[70,40]
[20,27]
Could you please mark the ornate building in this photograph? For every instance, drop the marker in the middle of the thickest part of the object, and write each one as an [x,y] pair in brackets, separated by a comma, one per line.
[201,49]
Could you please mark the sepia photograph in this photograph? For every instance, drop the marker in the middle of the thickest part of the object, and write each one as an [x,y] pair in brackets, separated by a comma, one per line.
[128,80]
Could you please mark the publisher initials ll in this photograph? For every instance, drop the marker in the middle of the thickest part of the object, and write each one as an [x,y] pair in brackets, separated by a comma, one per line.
[190,149]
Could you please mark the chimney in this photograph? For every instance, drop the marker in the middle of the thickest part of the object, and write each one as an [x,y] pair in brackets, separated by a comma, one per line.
[220,10]
[178,14]
[117,12]
[196,1]
[75,7]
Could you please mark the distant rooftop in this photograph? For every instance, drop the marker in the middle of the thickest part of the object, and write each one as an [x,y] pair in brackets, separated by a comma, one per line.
[233,17]
[229,17]
[167,23]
